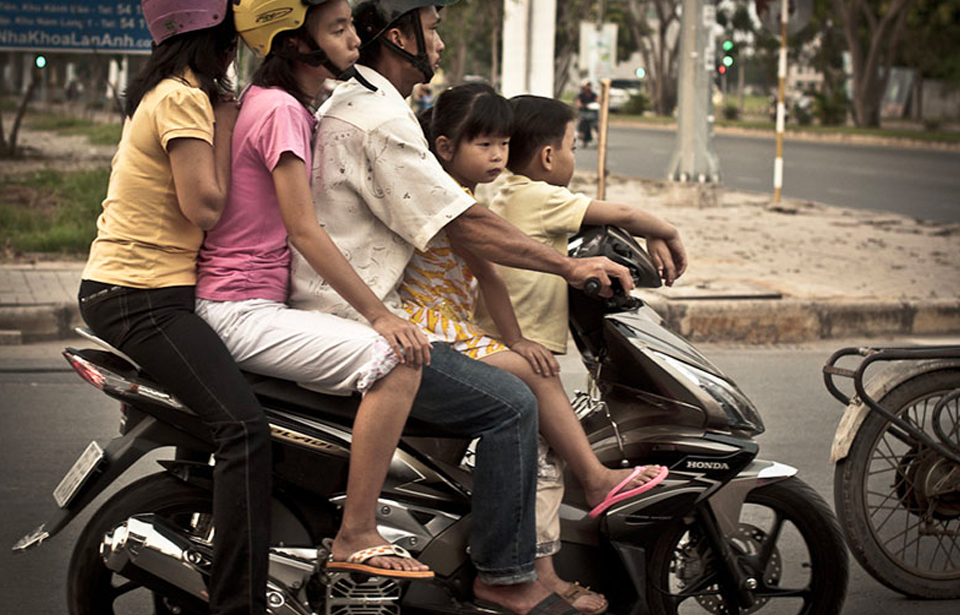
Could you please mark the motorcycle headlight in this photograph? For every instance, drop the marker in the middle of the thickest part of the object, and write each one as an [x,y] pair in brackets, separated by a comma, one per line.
[740,411]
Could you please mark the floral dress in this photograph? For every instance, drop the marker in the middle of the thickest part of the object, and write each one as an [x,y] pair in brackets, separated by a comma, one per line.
[439,295]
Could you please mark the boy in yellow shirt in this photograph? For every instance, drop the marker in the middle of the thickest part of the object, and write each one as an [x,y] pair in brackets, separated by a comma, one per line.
[537,201]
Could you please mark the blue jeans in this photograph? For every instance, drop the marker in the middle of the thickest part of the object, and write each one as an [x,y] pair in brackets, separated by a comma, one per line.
[478,400]
[158,329]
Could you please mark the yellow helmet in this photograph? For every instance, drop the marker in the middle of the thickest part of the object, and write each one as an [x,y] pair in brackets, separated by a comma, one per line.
[258,21]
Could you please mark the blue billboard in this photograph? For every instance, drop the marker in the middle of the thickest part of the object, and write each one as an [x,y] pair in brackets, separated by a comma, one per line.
[106,26]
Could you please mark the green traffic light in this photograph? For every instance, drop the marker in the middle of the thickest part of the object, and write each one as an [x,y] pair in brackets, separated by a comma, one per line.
[640,72]
[728,60]
[41,61]
[727,45]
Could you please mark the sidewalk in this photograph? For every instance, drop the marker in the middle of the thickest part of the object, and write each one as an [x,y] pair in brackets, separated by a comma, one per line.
[759,274]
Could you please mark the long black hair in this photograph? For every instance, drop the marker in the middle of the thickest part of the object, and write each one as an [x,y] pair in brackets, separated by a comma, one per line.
[465,112]
[205,52]
[278,70]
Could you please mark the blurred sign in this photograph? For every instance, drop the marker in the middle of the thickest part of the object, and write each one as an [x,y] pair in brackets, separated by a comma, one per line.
[78,26]
[799,13]
[598,50]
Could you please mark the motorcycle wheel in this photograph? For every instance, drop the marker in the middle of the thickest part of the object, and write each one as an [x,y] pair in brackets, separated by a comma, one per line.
[786,534]
[900,530]
[92,588]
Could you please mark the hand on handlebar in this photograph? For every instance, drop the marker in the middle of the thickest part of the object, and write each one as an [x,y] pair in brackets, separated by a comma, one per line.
[598,270]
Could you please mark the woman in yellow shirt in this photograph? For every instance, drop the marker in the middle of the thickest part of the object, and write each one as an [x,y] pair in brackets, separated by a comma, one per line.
[168,184]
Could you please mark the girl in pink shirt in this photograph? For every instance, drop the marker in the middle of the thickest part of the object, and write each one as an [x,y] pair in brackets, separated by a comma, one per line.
[244,267]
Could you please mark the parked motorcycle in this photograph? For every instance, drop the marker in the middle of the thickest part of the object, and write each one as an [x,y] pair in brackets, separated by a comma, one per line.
[897,455]
[726,532]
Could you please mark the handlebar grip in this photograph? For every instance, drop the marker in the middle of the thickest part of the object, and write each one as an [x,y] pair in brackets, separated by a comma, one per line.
[592,287]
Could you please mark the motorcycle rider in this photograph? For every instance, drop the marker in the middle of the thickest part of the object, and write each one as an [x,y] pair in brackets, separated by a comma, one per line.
[586,103]
[379,194]
[169,183]
[243,267]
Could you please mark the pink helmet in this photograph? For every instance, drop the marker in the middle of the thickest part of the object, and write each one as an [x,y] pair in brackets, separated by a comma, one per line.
[166,18]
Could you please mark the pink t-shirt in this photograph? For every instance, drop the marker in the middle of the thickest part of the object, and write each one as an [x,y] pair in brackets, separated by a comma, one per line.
[246,256]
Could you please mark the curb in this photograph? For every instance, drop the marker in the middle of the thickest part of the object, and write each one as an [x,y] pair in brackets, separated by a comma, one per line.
[38,323]
[786,321]
[752,321]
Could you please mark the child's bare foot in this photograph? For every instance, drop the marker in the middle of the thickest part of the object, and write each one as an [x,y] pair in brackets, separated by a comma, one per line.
[345,545]
[599,489]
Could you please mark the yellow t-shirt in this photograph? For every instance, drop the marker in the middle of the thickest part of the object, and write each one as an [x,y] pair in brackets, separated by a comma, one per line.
[143,238]
[549,214]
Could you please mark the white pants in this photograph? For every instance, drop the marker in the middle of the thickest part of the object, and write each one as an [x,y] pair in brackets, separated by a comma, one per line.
[320,351]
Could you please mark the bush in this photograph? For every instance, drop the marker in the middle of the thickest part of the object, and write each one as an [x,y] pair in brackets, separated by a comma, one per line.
[831,109]
[638,104]
[932,124]
[731,112]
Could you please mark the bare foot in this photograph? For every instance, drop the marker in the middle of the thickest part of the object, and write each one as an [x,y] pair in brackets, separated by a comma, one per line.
[598,490]
[345,545]
[519,598]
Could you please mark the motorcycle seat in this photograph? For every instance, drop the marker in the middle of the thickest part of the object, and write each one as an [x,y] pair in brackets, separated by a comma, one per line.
[290,397]
[273,393]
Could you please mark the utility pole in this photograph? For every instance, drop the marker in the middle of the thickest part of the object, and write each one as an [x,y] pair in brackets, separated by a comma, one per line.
[529,27]
[694,159]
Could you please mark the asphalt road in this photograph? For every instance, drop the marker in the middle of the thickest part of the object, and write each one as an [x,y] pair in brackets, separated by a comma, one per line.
[46,419]
[914,182]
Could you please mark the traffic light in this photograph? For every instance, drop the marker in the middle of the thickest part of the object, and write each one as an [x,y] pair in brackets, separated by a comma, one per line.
[729,53]
[40,61]
[641,72]
[722,69]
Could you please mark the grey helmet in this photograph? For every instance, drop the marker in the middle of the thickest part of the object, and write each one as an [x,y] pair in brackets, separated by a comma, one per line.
[374,17]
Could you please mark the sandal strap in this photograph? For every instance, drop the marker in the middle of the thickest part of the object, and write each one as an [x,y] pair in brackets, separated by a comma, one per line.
[382,550]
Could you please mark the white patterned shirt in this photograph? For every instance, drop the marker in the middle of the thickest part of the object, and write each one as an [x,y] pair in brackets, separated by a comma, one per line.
[377,190]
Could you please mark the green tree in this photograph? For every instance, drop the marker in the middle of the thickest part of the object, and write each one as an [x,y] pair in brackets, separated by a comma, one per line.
[930,42]
[874,30]
[654,27]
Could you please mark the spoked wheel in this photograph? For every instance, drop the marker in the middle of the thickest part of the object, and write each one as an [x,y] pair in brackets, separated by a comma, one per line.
[788,541]
[898,500]
[92,588]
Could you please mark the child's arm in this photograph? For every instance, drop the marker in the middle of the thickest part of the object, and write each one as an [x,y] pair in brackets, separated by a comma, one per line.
[663,239]
[309,238]
[497,300]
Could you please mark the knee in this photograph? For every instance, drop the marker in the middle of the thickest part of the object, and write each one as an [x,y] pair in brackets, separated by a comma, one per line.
[515,393]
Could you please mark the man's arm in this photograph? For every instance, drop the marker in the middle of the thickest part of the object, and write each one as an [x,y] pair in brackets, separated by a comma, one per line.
[483,232]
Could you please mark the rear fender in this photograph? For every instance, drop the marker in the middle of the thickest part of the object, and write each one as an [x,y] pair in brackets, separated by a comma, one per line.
[879,385]
[121,453]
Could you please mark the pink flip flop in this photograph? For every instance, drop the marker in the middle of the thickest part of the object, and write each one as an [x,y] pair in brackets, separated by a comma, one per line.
[616,495]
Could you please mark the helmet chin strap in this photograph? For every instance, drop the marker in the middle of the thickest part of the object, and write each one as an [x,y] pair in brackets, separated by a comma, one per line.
[318,57]
[420,61]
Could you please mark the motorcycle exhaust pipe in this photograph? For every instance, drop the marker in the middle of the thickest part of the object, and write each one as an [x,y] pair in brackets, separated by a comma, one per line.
[155,553]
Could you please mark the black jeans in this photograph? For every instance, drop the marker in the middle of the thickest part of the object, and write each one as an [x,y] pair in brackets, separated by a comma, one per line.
[159,330]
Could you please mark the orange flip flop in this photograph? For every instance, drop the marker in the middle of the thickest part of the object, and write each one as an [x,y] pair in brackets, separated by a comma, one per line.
[355,563]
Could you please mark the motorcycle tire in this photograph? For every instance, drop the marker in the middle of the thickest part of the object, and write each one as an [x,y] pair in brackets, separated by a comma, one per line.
[682,569]
[93,589]
[880,489]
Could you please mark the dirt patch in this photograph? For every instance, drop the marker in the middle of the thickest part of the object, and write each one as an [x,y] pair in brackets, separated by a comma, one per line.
[43,149]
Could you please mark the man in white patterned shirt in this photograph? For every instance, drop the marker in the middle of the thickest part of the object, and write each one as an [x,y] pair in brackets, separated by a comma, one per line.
[380,194]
